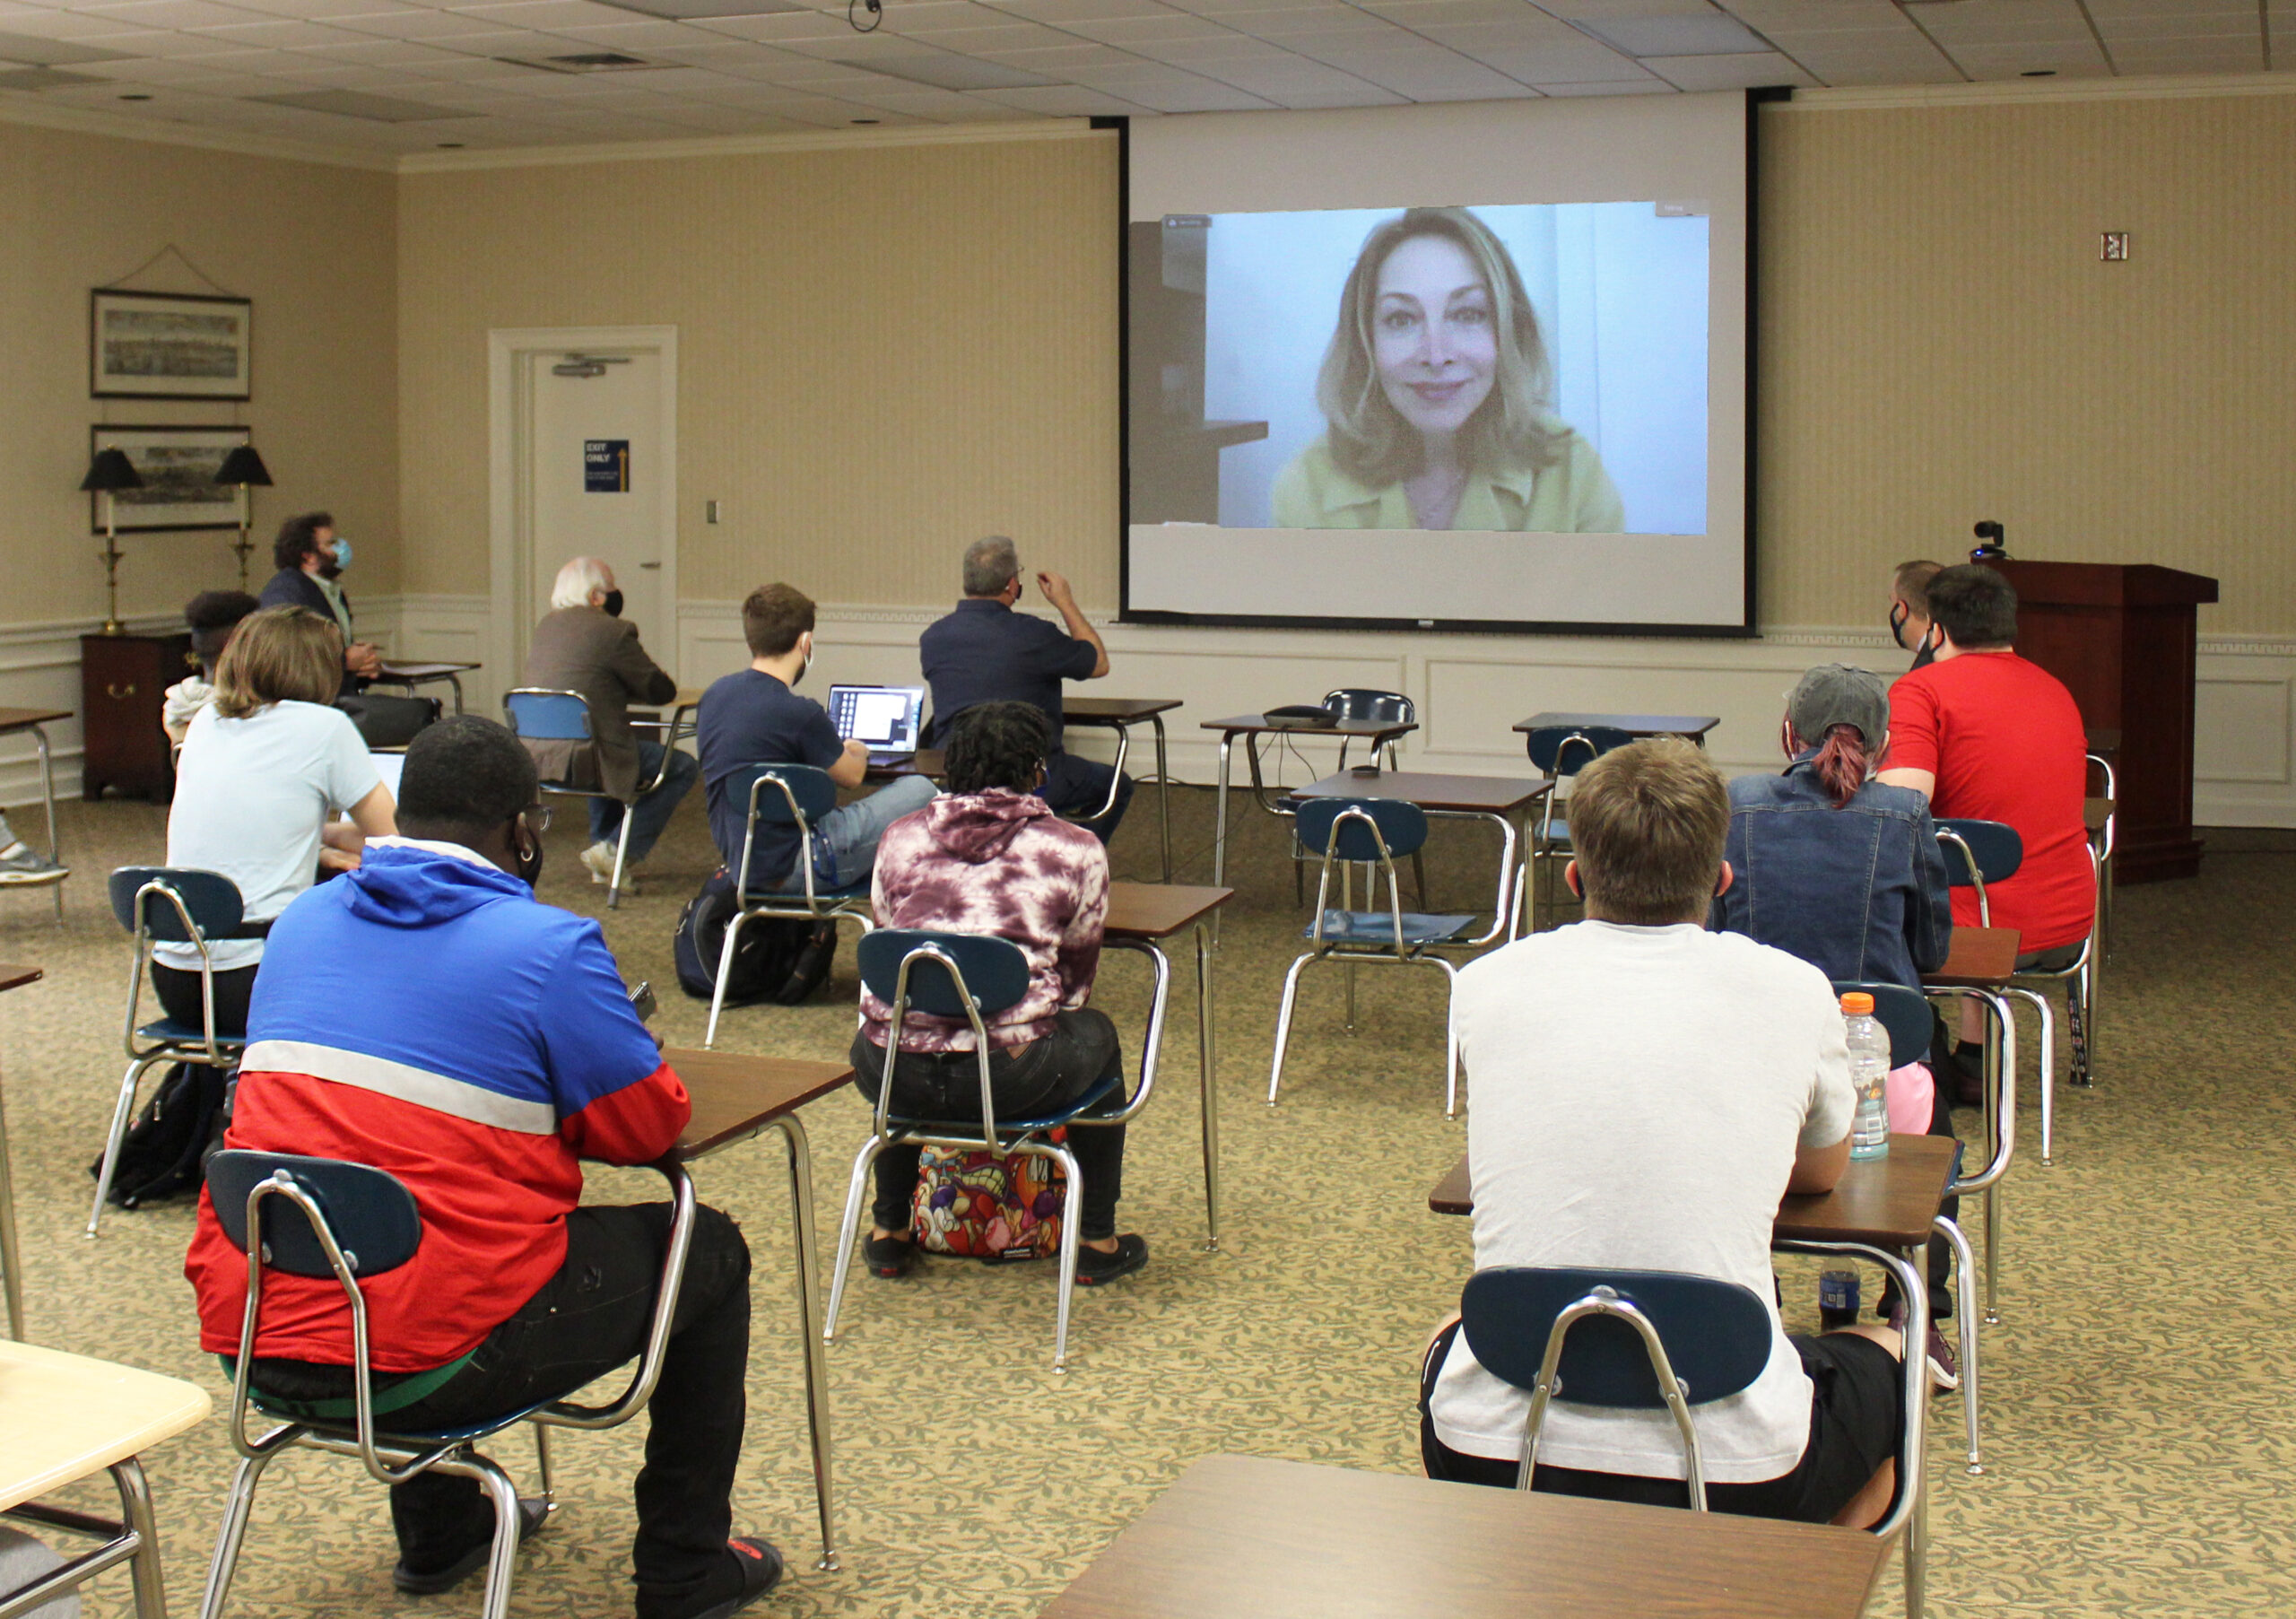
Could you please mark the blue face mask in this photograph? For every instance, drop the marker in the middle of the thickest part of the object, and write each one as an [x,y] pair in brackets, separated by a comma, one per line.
[341,551]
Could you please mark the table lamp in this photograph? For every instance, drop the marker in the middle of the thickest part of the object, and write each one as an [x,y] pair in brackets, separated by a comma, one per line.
[109,473]
[244,470]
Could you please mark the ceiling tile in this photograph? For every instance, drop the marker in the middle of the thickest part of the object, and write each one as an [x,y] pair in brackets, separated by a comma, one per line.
[1747,71]
[172,13]
[1064,101]
[1645,86]
[1585,62]
[1369,95]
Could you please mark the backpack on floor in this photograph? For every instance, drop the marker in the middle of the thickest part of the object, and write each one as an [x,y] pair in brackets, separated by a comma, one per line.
[165,1151]
[997,1206]
[779,959]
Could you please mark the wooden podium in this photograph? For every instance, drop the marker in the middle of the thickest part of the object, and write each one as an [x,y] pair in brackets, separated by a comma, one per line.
[2121,638]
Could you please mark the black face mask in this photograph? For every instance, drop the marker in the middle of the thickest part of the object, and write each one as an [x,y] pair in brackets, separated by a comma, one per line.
[526,847]
[612,605]
[1898,617]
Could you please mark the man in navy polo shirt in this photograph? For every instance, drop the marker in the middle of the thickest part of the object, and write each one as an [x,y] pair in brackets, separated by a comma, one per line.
[754,716]
[985,652]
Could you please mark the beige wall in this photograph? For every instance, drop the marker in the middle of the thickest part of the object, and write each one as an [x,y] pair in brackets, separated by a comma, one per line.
[883,352]
[315,245]
[1941,344]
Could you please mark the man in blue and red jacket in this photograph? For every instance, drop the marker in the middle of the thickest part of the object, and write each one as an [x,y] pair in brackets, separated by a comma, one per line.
[426,1015]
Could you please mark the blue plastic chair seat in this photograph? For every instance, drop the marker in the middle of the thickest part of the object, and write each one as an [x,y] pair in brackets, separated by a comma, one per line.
[1012,1127]
[187,1034]
[1379,927]
[796,896]
[1557,835]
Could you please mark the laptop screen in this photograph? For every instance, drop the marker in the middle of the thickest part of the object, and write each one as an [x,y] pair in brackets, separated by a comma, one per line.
[884,719]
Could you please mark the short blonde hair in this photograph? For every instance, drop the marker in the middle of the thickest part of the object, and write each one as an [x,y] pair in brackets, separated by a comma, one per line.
[280,654]
[1648,821]
[576,580]
[1368,440]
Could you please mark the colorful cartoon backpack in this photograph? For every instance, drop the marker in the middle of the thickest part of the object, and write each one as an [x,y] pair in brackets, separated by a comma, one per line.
[989,1206]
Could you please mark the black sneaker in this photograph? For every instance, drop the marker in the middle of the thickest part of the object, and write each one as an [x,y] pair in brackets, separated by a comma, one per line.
[889,1258]
[531,1513]
[753,1567]
[1095,1268]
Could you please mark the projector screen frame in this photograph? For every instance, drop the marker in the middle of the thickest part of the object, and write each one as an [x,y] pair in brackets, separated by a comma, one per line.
[1748,628]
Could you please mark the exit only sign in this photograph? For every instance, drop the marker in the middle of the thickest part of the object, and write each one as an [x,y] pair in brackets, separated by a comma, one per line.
[605,466]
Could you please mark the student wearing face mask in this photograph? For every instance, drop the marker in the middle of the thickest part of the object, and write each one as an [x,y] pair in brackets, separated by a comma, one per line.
[310,557]
[585,645]
[754,716]
[1910,610]
[425,1015]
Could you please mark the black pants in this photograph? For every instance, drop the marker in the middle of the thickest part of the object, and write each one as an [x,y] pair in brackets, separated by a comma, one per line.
[179,993]
[588,1318]
[1078,787]
[1045,1077]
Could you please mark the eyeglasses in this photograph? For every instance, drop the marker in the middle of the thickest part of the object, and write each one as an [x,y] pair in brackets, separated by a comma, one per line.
[537,816]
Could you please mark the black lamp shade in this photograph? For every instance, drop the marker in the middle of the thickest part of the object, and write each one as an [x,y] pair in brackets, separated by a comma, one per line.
[243,465]
[110,470]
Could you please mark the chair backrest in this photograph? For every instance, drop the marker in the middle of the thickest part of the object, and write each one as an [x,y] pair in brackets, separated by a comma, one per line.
[210,902]
[804,791]
[994,972]
[1373,707]
[1993,847]
[536,714]
[1717,1334]
[1402,824]
[1565,750]
[1904,1015]
[369,1213]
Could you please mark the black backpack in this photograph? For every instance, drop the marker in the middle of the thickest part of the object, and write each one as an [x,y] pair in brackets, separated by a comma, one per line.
[165,1151]
[780,959]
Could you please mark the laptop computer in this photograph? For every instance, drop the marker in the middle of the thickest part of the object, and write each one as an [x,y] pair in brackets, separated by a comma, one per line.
[885,720]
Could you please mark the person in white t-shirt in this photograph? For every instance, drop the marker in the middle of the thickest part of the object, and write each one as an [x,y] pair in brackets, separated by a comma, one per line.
[267,767]
[1640,1094]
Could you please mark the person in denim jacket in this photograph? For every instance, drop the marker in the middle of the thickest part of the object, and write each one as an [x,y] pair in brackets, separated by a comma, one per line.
[1844,871]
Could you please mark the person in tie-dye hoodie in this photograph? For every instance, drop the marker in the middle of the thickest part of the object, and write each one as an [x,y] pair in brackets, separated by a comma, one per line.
[988,857]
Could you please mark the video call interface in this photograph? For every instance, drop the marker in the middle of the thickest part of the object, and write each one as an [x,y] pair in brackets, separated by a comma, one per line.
[1359,401]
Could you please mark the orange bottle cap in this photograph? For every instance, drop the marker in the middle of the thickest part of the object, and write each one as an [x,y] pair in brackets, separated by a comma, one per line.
[1858,1003]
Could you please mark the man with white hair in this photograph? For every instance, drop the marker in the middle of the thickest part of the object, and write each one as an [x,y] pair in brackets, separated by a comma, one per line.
[585,645]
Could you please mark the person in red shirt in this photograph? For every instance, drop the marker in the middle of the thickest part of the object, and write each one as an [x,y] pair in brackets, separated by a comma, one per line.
[1988,736]
[425,1015]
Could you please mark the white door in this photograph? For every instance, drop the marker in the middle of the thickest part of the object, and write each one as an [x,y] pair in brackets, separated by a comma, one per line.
[597,475]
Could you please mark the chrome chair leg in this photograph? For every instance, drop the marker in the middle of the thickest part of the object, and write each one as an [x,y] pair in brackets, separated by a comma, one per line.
[1419,878]
[233,1532]
[541,1466]
[808,1267]
[135,1512]
[1072,1217]
[725,966]
[1450,1035]
[848,1231]
[502,1562]
[621,857]
[1963,1264]
[1283,1024]
[122,1111]
[2048,1016]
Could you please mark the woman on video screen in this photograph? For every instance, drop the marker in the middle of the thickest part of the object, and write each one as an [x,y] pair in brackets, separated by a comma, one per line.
[1434,391]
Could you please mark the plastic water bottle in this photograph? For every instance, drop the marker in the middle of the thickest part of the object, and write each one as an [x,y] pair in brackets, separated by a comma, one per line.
[1869,1077]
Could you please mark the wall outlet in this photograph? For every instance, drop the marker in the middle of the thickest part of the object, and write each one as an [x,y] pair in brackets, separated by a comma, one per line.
[710,511]
[2112,247]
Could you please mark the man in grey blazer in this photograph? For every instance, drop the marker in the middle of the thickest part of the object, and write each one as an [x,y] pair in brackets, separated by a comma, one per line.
[584,645]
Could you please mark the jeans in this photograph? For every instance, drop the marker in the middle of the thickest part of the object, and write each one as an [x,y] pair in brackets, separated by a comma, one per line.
[1079,787]
[652,811]
[588,1318]
[1045,1077]
[845,840]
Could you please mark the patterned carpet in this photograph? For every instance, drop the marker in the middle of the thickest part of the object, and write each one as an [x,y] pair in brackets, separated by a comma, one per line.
[2142,1448]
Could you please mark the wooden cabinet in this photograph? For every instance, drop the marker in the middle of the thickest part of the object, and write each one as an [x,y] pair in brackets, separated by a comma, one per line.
[122,679]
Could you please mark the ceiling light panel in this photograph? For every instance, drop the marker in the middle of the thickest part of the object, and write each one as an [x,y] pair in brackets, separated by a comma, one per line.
[357,104]
[1709,34]
[951,71]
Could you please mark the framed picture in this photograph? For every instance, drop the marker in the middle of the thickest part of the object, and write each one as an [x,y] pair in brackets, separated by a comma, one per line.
[177,465]
[169,345]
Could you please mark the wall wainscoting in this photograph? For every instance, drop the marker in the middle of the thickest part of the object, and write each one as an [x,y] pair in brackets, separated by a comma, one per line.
[1471,689]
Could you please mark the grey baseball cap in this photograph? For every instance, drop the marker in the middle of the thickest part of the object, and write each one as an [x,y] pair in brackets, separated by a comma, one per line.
[1834,694]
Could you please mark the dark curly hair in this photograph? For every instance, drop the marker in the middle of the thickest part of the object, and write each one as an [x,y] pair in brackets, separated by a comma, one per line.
[464,775]
[296,538]
[997,744]
[213,616]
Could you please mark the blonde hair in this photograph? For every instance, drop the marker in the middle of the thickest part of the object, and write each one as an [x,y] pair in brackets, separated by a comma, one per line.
[1648,821]
[280,654]
[576,580]
[1368,440]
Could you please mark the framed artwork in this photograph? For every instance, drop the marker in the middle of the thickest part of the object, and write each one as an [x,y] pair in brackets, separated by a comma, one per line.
[177,465]
[169,345]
